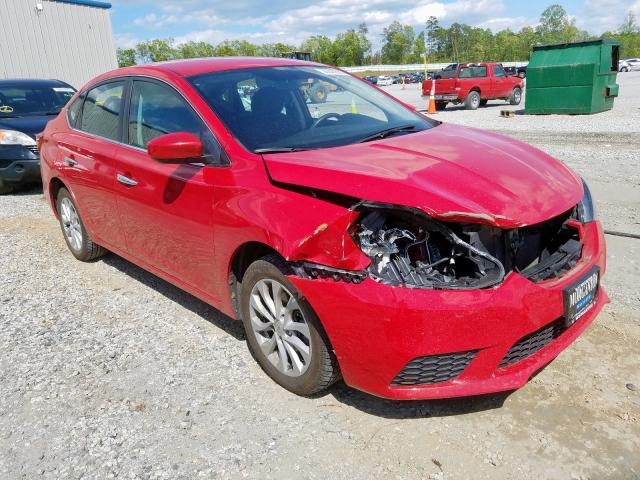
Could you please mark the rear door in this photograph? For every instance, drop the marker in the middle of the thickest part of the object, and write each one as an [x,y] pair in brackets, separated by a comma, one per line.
[86,156]
[166,210]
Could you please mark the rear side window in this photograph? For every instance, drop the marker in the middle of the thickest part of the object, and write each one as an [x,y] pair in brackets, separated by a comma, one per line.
[157,110]
[473,72]
[101,110]
[73,112]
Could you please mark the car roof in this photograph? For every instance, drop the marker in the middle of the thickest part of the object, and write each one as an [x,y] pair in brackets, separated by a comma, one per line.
[32,82]
[199,66]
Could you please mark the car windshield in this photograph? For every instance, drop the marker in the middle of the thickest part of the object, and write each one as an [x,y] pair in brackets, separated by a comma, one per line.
[31,101]
[290,108]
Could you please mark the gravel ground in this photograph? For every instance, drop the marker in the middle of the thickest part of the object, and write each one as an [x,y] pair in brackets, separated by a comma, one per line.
[109,372]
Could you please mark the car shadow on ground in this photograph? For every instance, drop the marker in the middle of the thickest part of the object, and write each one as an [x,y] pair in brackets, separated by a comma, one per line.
[396,409]
[177,295]
[343,394]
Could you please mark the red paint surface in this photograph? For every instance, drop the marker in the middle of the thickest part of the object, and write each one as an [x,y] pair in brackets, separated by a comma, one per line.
[185,223]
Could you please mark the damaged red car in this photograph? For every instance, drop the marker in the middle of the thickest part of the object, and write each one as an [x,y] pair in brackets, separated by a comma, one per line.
[354,237]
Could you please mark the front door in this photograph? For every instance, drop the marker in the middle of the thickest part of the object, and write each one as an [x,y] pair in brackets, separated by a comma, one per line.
[501,85]
[166,210]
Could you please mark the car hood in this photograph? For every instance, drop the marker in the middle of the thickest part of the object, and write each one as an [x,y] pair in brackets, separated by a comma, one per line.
[29,125]
[450,172]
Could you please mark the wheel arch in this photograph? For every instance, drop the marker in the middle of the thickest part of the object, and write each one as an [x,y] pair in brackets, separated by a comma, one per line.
[242,257]
[55,184]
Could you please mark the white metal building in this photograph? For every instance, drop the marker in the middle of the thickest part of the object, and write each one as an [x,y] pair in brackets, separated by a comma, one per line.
[69,40]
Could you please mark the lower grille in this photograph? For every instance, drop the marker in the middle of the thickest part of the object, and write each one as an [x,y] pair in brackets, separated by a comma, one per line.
[434,368]
[533,342]
[33,149]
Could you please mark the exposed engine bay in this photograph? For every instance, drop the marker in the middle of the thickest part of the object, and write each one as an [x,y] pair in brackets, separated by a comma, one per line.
[411,249]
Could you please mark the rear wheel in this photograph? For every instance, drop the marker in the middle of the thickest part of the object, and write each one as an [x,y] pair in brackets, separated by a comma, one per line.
[472,102]
[78,240]
[283,332]
[516,96]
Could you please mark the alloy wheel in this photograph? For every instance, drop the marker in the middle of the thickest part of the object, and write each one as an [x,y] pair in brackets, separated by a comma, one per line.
[280,327]
[71,224]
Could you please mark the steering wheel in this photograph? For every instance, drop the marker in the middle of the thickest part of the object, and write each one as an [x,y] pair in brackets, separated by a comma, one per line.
[325,117]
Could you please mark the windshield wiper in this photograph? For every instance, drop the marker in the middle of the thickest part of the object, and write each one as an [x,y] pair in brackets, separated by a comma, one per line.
[52,113]
[388,132]
[280,149]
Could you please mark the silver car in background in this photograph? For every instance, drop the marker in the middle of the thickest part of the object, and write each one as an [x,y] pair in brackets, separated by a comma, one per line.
[629,65]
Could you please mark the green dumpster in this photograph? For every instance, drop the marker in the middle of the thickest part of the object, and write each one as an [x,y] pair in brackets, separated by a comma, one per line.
[572,77]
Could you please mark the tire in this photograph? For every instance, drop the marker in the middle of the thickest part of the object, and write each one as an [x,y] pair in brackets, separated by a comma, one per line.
[516,96]
[75,235]
[318,94]
[263,279]
[5,187]
[472,102]
[483,103]
[440,106]
[624,69]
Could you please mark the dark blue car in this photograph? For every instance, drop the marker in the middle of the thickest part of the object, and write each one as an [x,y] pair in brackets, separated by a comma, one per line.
[25,108]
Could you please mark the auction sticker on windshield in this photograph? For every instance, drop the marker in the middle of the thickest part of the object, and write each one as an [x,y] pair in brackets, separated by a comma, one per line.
[581,296]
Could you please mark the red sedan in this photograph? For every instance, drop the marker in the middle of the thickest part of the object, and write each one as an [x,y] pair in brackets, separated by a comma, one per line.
[354,238]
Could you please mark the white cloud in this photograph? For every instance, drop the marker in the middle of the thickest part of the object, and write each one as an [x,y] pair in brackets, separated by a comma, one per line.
[291,21]
[125,40]
[598,16]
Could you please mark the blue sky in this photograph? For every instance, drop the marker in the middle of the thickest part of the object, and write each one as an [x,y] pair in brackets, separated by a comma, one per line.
[291,21]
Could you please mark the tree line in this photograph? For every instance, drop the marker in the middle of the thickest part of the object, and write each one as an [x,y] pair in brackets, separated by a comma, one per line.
[401,44]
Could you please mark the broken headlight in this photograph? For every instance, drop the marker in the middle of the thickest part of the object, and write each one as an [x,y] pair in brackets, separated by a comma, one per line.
[408,248]
[586,210]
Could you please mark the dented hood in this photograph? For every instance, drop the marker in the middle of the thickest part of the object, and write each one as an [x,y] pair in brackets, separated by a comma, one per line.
[450,172]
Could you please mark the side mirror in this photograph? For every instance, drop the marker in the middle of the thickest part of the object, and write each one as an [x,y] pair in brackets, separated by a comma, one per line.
[179,147]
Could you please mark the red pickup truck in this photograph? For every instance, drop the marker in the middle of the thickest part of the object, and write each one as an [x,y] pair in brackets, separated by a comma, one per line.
[474,85]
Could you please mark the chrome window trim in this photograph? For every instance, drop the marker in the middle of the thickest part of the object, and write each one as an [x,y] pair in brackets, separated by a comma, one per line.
[117,142]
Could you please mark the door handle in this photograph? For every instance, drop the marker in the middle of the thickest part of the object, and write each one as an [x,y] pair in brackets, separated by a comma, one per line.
[129,182]
[70,162]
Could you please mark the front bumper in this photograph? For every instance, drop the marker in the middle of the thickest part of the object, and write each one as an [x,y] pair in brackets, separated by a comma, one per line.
[19,164]
[376,330]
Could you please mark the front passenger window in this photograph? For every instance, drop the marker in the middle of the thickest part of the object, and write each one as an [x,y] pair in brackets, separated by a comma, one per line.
[157,110]
[101,110]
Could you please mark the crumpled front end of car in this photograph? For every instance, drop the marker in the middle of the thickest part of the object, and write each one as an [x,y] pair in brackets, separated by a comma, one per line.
[446,308]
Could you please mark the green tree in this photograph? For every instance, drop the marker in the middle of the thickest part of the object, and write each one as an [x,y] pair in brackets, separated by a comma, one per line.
[418,49]
[629,25]
[350,47]
[126,57]
[195,50]
[431,36]
[556,26]
[397,43]
[321,49]
[156,51]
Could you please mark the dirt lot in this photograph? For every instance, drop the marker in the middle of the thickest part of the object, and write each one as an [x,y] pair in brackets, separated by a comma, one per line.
[108,372]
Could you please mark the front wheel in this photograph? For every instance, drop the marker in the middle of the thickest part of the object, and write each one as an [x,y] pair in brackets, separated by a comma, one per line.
[283,332]
[472,101]
[516,96]
[75,235]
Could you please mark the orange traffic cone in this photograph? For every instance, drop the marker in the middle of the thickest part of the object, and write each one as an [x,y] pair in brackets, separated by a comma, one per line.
[432,98]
